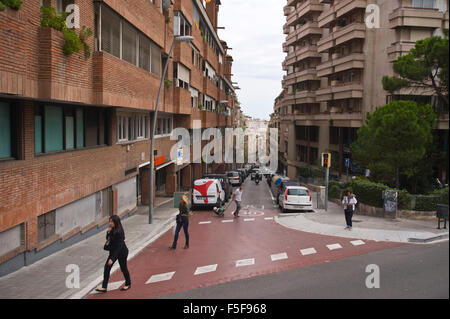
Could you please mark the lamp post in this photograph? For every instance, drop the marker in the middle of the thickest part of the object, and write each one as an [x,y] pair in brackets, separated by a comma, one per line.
[152,138]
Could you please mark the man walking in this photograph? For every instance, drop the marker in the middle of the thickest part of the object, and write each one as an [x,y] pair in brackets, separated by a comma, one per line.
[349,201]
[237,197]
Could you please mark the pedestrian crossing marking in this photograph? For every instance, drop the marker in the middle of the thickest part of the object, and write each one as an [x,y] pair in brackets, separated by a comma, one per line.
[249,219]
[281,256]
[268,218]
[160,277]
[205,269]
[227,221]
[245,262]
[334,246]
[308,251]
[357,242]
[202,223]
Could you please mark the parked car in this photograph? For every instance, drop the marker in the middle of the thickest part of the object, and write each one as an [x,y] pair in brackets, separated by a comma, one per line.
[295,197]
[226,186]
[207,193]
[234,178]
[276,184]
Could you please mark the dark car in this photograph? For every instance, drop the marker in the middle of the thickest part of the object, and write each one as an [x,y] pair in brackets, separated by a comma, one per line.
[223,181]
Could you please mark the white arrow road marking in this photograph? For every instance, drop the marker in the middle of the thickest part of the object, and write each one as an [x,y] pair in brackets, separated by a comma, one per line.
[357,242]
[281,256]
[160,277]
[308,251]
[245,262]
[334,246]
[205,269]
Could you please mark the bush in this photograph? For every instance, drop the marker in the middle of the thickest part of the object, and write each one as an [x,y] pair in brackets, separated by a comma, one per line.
[368,193]
[50,19]
[2,6]
[335,191]
[72,42]
[426,202]
[13,4]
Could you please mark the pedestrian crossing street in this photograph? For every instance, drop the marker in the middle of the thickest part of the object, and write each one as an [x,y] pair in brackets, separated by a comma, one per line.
[204,269]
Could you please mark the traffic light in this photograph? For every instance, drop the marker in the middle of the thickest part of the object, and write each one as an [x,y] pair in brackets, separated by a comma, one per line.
[326,160]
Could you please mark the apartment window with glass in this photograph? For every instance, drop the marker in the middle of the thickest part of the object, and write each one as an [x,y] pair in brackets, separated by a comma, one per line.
[61,5]
[5,131]
[164,126]
[132,127]
[129,40]
[425,4]
[181,26]
[181,75]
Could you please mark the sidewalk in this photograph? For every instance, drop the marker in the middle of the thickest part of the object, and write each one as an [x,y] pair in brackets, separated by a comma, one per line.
[47,277]
[332,223]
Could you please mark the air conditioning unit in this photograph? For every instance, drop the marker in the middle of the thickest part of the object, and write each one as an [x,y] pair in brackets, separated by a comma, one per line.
[166,4]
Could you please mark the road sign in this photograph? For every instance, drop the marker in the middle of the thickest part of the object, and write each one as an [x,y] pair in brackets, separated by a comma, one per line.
[347,162]
[180,156]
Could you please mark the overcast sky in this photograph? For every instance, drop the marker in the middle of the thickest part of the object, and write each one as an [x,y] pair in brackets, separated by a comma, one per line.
[254,30]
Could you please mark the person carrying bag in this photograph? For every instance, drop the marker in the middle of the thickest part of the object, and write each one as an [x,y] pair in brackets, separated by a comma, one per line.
[182,221]
[349,202]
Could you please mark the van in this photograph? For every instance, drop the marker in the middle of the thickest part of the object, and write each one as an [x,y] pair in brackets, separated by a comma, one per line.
[207,193]
[226,186]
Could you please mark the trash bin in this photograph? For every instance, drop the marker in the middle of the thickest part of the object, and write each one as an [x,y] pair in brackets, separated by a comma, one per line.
[442,213]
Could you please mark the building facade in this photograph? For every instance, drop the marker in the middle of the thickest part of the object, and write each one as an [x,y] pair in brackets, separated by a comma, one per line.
[75,129]
[334,67]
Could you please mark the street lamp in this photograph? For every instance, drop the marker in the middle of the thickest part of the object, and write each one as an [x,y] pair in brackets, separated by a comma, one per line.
[152,138]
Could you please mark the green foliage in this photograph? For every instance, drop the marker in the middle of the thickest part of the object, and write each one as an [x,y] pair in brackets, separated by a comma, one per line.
[50,19]
[167,82]
[2,7]
[85,33]
[426,66]
[394,140]
[427,202]
[72,42]
[13,4]
[368,192]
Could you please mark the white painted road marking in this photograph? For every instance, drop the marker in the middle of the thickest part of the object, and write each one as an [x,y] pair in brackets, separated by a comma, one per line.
[160,277]
[245,262]
[202,223]
[249,219]
[205,269]
[268,218]
[281,256]
[228,221]
[334,246]
[357,242]
[308,251]
[111,286]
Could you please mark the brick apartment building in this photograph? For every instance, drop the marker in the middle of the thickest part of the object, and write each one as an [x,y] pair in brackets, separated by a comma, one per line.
[74,131]
[334,67]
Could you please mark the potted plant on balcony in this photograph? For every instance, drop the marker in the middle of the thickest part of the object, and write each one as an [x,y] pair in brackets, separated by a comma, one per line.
[167,83]
[341,22]
[302,21]
[13,4]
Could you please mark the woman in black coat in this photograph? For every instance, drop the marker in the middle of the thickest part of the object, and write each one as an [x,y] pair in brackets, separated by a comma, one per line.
[182,221]
[115,243]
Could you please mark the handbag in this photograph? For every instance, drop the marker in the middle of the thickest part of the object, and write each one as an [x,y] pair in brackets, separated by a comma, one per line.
[179,219]
[107,245]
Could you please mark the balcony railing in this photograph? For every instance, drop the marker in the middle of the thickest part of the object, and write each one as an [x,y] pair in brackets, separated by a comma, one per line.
[416,17]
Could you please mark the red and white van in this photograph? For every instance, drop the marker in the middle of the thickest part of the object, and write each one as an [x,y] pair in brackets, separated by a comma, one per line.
[207,193]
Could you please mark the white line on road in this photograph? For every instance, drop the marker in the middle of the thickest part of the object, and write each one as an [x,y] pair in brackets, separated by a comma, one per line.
[111,286]
[334,246]
[308,251]
[228,221]
[245,262]
[205,269]
[281,256]
[357,242]
[202,223]
[249,219]
[160,277]
[268,218]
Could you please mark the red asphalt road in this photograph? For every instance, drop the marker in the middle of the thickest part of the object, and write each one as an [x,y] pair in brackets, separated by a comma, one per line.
[224,244]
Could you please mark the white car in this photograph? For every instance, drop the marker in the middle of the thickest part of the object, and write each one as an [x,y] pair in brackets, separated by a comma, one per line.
[207,193]
[295,198]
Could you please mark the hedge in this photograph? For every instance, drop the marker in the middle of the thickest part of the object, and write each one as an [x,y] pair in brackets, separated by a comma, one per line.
[429,202]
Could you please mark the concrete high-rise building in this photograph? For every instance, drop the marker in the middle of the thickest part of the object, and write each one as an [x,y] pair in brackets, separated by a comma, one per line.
[334,66]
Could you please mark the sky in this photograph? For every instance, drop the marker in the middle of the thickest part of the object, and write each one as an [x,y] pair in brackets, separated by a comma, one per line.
[254,30]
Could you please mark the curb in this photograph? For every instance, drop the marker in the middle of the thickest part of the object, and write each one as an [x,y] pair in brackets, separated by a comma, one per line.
[168,224]
[429,239]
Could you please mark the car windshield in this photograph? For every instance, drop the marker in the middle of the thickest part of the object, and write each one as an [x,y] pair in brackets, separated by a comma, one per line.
[233,174]
[297,192]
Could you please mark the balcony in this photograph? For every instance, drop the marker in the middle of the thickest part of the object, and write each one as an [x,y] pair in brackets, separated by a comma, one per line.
[416,17]
[303,53]
[209,118]
[303,97]
[351,61]
[327,17]
[300,76]
[287,10]
[308,29]
[398,49]
[347,6]
[347,90]
[182,101]
[356,30]
[309,6]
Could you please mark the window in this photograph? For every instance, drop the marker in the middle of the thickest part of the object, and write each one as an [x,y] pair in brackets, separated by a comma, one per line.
[144,52]
[5,130]
[164,125]
[426,4]
[181,76]
[61,5]
[132,127]
[181,26]
[53,128]
[46,226]
[156,60]
[194,97]
[129,38]
[110,31]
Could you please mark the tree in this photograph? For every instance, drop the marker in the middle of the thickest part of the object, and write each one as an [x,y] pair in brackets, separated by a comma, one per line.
[394,140]
[425,67]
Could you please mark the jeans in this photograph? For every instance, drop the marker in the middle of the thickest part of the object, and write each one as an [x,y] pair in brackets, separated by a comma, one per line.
[348,217]
[123,267]
[238,207]
[185,225]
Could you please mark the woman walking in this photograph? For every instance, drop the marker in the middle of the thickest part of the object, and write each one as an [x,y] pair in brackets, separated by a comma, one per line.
[182,221]
[349,203]
[115,244]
